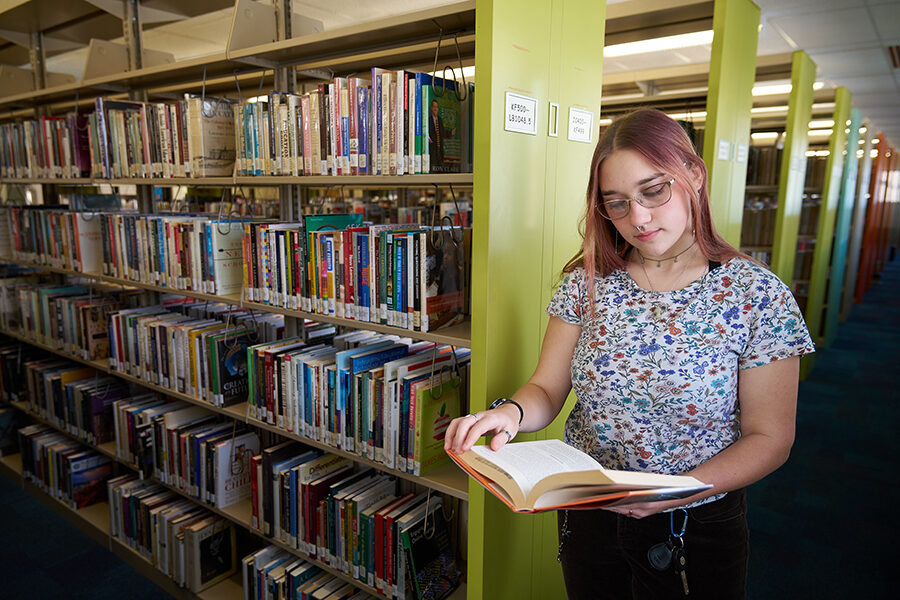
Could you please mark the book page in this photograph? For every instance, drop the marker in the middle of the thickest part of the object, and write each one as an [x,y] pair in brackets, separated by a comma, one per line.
[527,463]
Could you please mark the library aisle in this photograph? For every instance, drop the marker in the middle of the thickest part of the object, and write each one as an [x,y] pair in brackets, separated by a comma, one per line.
[45,556]
[825,524]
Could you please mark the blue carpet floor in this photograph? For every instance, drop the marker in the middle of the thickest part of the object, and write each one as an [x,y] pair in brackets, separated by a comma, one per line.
[43,556]
[823,526]
[826,523]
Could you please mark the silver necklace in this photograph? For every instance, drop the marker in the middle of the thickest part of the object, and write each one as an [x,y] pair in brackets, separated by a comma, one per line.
[660,261]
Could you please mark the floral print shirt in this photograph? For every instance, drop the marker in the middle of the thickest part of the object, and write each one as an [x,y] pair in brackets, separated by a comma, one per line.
[655,374]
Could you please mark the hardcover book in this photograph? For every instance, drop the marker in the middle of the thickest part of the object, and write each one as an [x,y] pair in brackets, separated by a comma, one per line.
[533,477]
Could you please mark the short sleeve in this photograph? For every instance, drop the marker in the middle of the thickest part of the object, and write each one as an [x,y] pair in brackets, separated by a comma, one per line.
[777,329]
[568,300]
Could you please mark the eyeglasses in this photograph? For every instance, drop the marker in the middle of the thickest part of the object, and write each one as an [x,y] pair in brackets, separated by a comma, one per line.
[652,197]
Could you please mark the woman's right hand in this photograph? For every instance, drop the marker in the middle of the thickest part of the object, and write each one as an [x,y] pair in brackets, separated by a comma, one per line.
[501,422]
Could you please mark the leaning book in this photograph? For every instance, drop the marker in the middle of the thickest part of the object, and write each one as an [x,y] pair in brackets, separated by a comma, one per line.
[533,477]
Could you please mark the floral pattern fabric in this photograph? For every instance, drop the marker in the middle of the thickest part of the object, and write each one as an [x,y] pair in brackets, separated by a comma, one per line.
[655,374]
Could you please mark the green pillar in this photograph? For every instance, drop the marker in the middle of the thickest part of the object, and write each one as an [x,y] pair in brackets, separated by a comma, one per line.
[831,194]
[793,167]
[842,228]
[529,195]
[732,71]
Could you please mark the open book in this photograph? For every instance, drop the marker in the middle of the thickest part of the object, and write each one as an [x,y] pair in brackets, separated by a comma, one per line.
[532,477]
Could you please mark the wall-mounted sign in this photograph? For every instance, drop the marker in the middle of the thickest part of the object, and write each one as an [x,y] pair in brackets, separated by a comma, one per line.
[581,124]
[521,114]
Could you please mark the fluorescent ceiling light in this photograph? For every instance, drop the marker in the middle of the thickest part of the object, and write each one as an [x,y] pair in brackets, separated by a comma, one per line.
[817,153]
[823,106]
[764,135]
[771,89]
[768,110]
[635,96]
[699,115]
[819,132]
[781,87]
[822,124]
[671,42]
[876,140]
[863,129]
[604,122]
[874,153]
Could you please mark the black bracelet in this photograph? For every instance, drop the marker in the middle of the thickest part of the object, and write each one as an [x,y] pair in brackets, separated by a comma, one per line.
[501,401]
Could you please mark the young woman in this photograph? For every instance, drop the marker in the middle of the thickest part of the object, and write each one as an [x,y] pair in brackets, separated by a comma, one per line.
[684,356]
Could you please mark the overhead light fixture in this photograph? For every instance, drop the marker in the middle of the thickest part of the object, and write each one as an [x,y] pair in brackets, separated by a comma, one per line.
[622,97]
[671,42]
[822,124]
[863,129]
[699,115]
[781,87]
[762,136]
[818,153]
[768,110]
[876,140]
[819,132]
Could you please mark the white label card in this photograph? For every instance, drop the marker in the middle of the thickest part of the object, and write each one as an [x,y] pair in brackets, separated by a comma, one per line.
[521,114]
[742,151]
[724,150]
[581,124]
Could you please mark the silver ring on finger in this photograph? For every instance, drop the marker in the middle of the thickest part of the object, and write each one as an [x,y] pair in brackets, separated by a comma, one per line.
[508,435]
[474,416]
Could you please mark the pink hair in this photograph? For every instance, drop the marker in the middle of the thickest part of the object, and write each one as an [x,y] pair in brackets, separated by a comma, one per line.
[666,146]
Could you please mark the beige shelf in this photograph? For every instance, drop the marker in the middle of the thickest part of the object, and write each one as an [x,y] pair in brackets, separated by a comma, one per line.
[12,464]
[455,335]
[449,480]
[313,181]
[400,40]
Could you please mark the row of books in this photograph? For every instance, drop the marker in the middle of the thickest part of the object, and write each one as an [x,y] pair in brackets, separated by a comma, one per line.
[758,225]
[393,123]
[181,252]
[763,165]
[380,397]
[407,276]
[276,574]
[62,467]
[187,542]
[73,398]
[54,236]
[71,318]
[196,348]
[351,520]
[47,147]
[186,447]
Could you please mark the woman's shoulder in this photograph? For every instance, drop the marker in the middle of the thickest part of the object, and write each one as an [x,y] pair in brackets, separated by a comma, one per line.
[751,276]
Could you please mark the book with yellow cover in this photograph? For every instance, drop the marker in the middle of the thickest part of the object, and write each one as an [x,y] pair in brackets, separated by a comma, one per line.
[533,477]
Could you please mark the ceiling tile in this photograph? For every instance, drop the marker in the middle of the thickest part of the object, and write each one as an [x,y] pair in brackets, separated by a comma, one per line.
[887,21]
[823,28]
[853,63]
[863,85]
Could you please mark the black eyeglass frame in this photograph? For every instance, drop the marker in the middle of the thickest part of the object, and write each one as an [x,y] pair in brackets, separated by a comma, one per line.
[639,198]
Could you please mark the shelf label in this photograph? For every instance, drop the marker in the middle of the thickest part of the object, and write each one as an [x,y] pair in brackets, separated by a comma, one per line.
[581,123]
[724,150]
[521,114]
[742,151]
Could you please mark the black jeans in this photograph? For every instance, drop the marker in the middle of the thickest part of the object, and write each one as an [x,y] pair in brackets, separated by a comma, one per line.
[604,554]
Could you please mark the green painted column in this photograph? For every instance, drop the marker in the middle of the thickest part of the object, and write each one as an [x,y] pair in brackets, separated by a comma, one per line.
[831,194]
[842,229]
[793,167]
[732,71]
[529,193]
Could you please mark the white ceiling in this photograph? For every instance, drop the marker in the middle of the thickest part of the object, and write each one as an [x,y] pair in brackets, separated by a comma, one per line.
[848,40]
